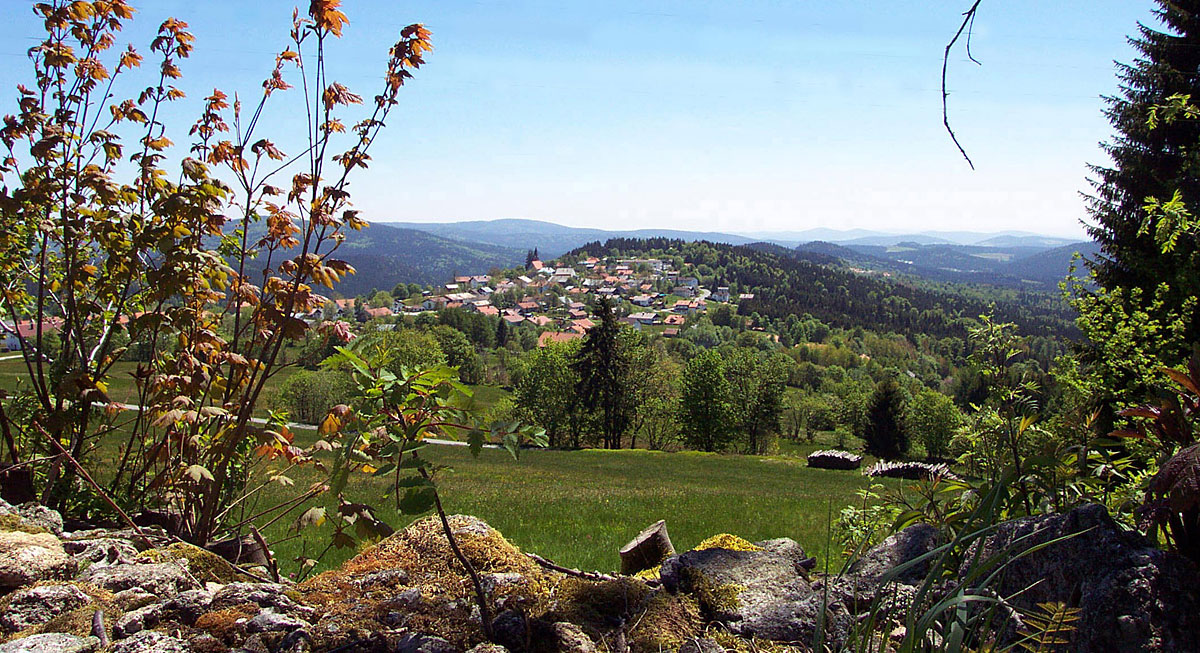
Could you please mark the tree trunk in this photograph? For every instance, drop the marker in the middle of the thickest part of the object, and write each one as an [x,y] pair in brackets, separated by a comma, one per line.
[649,548]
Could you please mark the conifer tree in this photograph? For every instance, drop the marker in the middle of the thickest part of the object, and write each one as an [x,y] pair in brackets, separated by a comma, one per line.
[1152,159]
[885,433]
[601,365]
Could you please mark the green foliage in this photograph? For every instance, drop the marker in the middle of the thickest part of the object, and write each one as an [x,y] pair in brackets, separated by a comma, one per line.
[706,413]
[602,367]
[885,434]
[864,524]
[932,418]
[756,382]
[308,396]
[1143,211]
[381,432]
[545,394]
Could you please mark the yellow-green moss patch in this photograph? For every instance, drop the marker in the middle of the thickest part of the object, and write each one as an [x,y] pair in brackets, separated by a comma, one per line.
[206,566]
[14,522]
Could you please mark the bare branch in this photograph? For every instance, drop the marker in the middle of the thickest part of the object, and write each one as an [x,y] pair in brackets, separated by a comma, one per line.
[968,25]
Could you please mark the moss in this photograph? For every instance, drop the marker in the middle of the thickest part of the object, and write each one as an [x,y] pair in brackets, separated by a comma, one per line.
[713,597]
[206,566]
[227,625]
[726,541]
[79,621]
[731,642]
[422,551]
[667,621]
[14,522]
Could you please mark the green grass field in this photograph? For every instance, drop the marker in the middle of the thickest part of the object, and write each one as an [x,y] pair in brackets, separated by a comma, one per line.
[579,507]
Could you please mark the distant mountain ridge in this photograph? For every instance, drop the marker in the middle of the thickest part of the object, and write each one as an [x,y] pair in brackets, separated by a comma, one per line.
[551,239]
[430,253]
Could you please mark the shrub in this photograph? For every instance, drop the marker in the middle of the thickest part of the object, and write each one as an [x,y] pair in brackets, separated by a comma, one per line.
[308,396]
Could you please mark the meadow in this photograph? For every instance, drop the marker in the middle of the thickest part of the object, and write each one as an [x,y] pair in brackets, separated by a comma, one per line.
[579,507]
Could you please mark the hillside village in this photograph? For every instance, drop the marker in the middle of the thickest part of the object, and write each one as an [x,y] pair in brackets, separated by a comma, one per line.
[555,296]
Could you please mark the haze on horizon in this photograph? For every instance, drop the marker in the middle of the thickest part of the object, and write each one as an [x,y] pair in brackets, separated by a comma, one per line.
[759,117]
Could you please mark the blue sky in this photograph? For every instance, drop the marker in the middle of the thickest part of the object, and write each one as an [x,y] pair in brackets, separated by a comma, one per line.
[758,115]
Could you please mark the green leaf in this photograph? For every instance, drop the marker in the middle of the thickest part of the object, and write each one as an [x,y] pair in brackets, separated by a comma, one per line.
[384,470]
[476,439]
[414,482]
[417,500]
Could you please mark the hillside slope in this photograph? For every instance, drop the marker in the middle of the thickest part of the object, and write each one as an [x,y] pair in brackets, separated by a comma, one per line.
[385,255]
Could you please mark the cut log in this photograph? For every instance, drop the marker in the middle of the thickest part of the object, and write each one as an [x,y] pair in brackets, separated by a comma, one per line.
[647,550]
[244,550]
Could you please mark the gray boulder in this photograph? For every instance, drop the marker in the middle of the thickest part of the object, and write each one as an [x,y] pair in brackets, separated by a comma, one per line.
[33,606]
[184,608]
[101,550]
[754,593]
[570,638]
[149,641]
[270,621]
[39,516]
[418,643]
[899,548]
[701,645]
[1131,596]
[165,579]
[51,643]
[264,595]
[26,558]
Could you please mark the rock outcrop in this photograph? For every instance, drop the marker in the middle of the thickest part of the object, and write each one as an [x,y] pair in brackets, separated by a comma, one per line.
[409,593]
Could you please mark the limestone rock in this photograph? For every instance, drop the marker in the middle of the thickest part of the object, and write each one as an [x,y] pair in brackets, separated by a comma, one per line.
[33,606]
[270,621]
[569,638]
[101,550]
[51,643]
[163,579]
[754,593]
[149,641]
[26,558]
[264,595]
[488,647]
[701,645]
[418,643]
[383,577]
[39,516]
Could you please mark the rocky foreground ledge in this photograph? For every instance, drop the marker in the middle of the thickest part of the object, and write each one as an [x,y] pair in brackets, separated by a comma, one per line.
[99,590]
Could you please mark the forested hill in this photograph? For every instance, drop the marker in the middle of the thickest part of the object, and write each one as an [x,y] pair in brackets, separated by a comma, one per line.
[784,285]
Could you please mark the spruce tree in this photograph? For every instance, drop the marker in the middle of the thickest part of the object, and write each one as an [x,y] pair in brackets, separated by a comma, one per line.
[502,333]
[600,365]
[885,434]
[1151,161]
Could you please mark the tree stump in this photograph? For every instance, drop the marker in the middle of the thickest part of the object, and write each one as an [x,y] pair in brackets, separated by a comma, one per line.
[648,549]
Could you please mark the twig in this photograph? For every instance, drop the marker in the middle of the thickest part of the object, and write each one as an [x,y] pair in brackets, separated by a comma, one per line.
[485,615]
[586,575]
[271,565]
[967,24]
[96,486]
